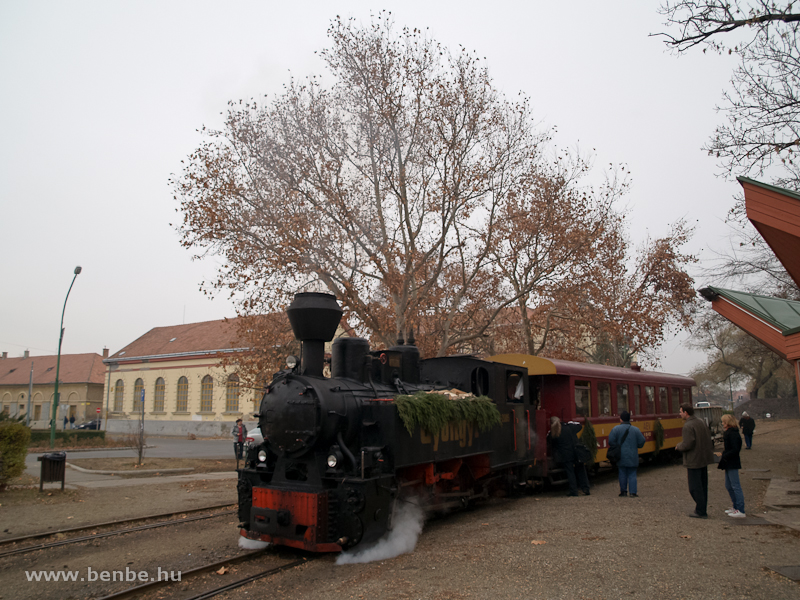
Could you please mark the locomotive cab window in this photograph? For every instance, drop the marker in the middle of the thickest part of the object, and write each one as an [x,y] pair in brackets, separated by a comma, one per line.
[479,382]
[582,398]
[515,387]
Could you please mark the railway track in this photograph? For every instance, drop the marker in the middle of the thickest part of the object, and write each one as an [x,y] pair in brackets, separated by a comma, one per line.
[139,590]
[114,532]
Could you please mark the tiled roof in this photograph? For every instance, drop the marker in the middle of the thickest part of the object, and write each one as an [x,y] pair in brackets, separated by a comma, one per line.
[784,315]
[74,368]
[209,336]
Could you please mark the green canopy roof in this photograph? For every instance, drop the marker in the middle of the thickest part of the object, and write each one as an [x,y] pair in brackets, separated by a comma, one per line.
[782,314]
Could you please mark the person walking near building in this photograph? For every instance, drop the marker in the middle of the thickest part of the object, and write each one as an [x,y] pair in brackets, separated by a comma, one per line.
[72,421]
[698,453]
[239,434]
[629,438]
[747,424]
[564,441]
[731,463]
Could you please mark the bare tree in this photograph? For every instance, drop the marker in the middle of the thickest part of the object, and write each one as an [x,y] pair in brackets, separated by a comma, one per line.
[763,106]
[734,357]
[409,187]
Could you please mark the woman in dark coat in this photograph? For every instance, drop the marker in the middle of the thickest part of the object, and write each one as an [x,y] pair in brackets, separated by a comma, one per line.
[564,440]
[731,463]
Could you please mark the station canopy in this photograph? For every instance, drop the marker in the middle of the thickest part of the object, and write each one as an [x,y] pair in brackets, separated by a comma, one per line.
[775,322]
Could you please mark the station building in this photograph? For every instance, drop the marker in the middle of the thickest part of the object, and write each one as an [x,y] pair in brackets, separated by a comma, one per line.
[81,382]
[186,386]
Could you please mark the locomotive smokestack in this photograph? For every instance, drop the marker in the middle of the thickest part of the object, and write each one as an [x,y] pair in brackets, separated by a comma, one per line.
[314,318]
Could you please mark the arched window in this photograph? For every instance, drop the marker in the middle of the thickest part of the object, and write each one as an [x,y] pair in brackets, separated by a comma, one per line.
[182,402]
[232,394]
[207,394]
[119,394]
[138,386]
[158,395]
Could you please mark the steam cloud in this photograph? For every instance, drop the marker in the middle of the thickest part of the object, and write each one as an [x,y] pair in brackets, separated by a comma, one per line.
[249,544]
[407,525]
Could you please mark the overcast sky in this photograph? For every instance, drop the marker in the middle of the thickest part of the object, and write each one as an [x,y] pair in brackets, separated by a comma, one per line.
[100,102]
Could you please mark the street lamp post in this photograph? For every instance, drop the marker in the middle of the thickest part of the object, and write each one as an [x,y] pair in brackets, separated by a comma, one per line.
[58,363]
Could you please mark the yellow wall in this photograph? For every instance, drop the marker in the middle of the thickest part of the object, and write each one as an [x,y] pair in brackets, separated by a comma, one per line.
[81,399]
[194,369]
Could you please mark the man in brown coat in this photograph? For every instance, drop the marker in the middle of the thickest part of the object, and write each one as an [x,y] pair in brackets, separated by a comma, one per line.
[698,453]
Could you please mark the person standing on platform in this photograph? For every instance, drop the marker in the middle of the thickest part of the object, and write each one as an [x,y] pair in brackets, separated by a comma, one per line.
[239,434]
[731,463]
[747,425]
[629,462]
[698,453]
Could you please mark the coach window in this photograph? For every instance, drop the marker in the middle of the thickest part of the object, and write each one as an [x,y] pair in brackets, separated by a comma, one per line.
[582,398]
[480,382]
[687,395]
[604,399]
[514,387]
[622,398]
[676,399]
[650,399]
[637,400]
[663,397]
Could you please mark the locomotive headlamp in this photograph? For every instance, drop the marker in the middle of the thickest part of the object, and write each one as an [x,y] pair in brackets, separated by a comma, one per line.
[334,457]
[291,361]
[262,456]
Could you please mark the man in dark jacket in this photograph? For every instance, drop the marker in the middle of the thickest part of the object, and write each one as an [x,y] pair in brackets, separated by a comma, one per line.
[747,424]
[564,440]
[698,453]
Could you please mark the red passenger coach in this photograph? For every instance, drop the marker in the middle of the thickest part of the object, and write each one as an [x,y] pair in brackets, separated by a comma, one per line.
[574,391]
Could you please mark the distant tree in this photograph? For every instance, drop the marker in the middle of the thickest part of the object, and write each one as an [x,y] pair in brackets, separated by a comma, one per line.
[763,106]
[735,358]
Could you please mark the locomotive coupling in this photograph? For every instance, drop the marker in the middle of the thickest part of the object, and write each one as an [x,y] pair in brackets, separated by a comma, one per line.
[342,541]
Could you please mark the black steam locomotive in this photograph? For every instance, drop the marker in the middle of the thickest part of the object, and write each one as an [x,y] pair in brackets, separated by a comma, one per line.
[336,454]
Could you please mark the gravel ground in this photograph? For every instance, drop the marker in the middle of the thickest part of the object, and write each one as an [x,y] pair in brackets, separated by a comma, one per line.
[544,546]
[595,547]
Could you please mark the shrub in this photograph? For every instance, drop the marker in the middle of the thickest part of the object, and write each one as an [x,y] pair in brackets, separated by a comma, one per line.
[69,437]
[14,438]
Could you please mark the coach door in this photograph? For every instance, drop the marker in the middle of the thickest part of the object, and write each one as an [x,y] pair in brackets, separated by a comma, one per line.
[516,397]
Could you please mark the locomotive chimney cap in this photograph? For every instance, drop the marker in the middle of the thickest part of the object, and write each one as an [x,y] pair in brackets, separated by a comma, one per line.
[314,316]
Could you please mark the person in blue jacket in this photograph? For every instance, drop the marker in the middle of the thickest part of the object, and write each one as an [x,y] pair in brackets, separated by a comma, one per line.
[629,462]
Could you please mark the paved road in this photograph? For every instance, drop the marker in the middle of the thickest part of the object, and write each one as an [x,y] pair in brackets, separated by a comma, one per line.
[159,448]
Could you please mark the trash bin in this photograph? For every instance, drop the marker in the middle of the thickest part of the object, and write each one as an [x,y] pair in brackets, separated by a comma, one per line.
[54,467]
